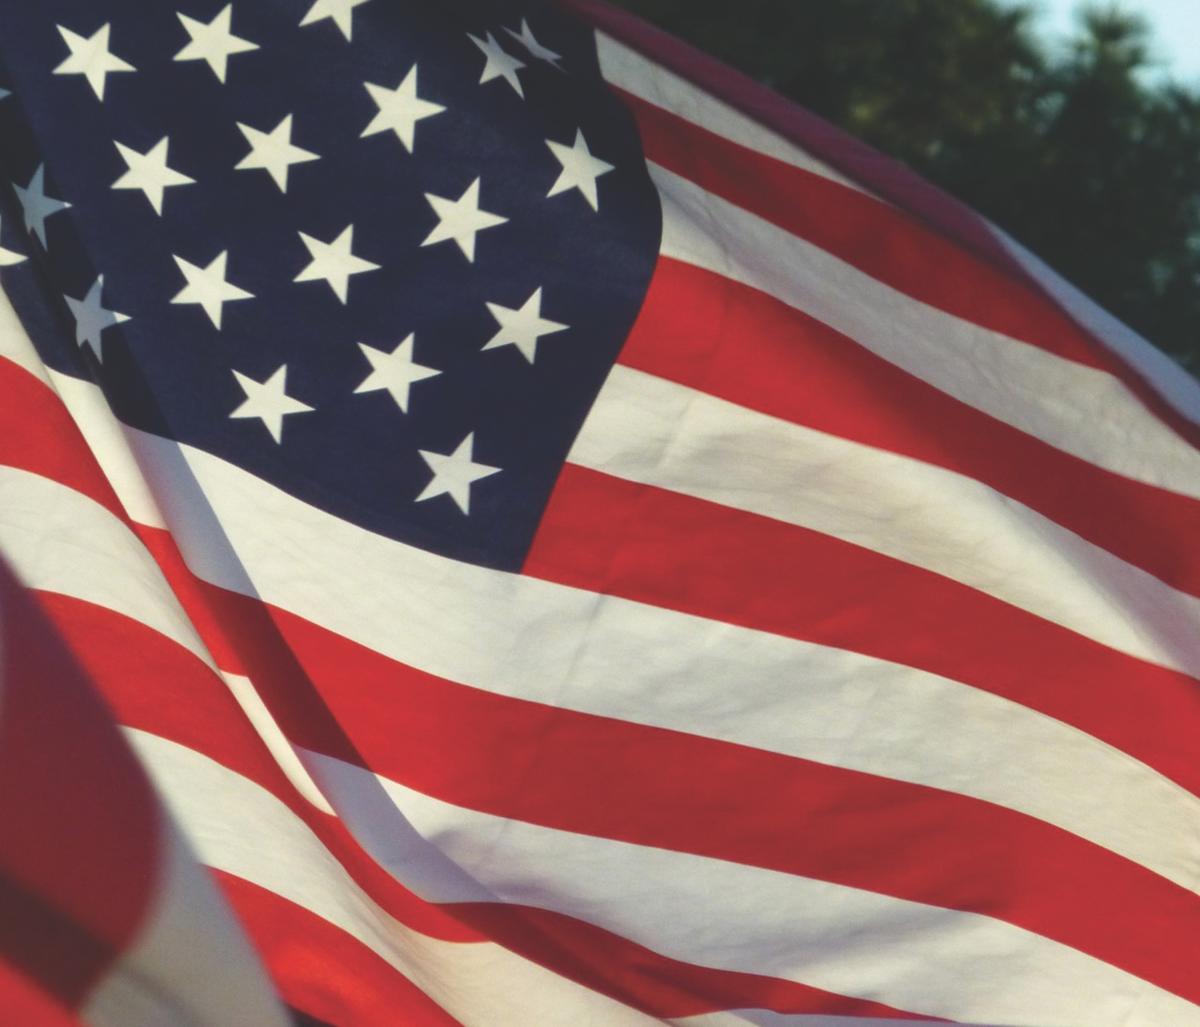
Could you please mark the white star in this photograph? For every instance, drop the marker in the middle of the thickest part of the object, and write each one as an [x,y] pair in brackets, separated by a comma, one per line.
[91,317]
[149,172]
[8,257]
[341,11]
[400,109]
[454,473]
[207,286]
[499,64]
[214,42]
[396,371]
[460,220]
[526,39]
[522,328]
[333,262]
[268,401]
[273,151]
[579,169]
[37,205]
[91,58]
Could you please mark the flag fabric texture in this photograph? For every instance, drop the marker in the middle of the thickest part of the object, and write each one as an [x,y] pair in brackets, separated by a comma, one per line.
[572,539]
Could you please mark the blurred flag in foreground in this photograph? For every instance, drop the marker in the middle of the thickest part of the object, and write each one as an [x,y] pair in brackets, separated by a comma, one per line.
[573,539]
[104,909]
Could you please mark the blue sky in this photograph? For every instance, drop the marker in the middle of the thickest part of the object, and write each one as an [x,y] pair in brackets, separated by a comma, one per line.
[1176,29]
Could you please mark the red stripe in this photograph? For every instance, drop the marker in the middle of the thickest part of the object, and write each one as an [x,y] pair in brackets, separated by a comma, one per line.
[38,434]
[667,988]
[327,973]
[727,340]
[158,687]
[24,1004]
[79,850]
[322,970]
[608,535]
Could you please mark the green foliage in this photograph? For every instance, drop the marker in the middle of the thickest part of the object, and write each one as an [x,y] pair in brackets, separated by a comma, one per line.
[1072,153]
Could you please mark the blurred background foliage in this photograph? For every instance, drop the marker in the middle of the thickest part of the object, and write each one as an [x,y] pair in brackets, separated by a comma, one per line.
[1076,151]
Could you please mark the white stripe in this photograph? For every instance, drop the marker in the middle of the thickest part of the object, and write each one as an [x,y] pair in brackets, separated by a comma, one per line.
[268,729]
[543,642]
[1078,409]
[766,1018]
[629,70]
[646,429]
[190,963]
[58,540]
[15,344]
[238,827]
[741,918]
[1174,384]
[87,405]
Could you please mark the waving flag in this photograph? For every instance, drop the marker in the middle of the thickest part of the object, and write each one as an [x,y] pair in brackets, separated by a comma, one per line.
[574,539]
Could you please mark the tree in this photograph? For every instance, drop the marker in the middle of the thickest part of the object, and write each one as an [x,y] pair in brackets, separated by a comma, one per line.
[1076,155]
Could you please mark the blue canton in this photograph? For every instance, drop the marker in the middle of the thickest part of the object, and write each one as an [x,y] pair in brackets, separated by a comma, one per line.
[379,253]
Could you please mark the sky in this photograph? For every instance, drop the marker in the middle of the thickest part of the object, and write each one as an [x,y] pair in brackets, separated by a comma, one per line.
[1176,25]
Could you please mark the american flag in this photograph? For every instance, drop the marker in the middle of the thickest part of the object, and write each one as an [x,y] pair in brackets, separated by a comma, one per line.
[572,539]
